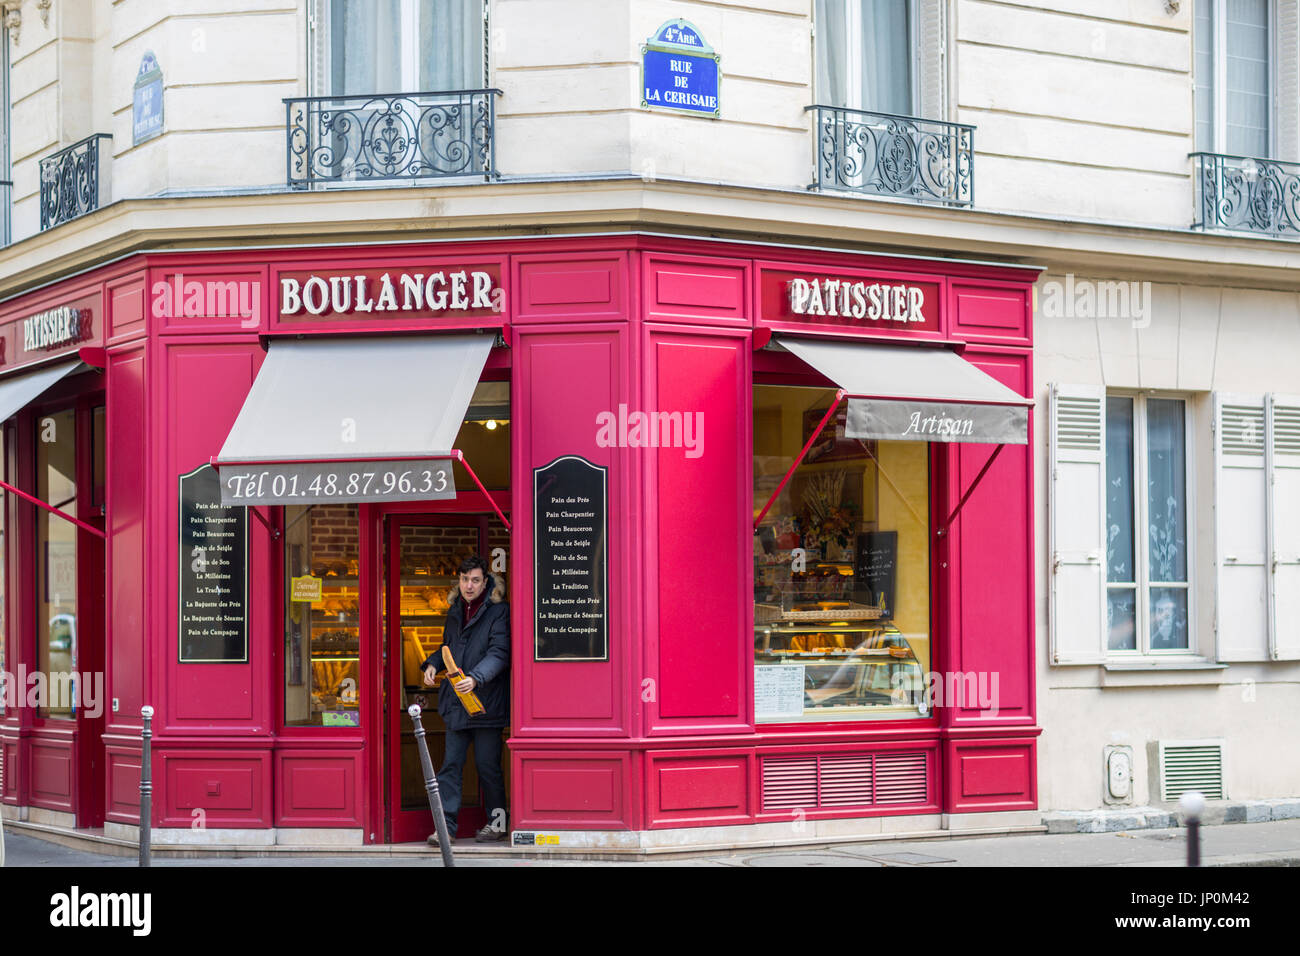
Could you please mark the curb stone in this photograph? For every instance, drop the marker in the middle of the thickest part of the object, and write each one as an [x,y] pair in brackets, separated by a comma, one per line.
[1216,813]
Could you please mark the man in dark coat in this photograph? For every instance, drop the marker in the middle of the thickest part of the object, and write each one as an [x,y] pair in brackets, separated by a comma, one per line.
[478,632]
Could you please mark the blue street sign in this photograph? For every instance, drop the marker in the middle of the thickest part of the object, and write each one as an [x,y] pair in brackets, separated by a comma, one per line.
[680,72]
[147,111]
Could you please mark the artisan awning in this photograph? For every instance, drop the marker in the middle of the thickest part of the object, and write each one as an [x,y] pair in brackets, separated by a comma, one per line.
[344,420]
[911,393]
[17,392]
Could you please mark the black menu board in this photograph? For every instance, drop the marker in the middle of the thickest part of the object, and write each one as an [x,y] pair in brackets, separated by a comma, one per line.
[570,564]
[213,558]
[875,569]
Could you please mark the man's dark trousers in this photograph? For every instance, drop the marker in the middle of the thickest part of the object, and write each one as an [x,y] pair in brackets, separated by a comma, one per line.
[487,761]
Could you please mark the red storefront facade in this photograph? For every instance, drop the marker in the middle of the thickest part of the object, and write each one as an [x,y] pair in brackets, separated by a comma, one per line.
[660,731]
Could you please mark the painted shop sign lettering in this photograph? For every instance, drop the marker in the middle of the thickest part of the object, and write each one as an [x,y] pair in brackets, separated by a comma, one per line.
[887,420]
[56,327]
[295,483]
[882,303]
[213,576]
[398,294]
[570,560]
[680,72]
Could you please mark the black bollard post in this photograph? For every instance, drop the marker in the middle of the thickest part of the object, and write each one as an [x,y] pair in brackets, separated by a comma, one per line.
[1192,803]
[431,787]
[146,785]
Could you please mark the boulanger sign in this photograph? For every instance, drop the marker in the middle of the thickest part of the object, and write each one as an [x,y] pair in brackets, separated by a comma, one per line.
[392,293]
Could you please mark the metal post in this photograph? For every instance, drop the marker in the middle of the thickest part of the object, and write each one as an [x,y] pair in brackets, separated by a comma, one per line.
[146,785]
[431,787]
[1192,804]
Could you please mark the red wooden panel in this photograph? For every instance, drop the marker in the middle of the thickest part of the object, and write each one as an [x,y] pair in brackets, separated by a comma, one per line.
[700,290]
[123,782]
[127,422]
[12,771]
[586,286]
[230,787]
[317,790]
[699,496]
[994,775]
[205,386]
[991,313]
[51,775]
[991,775]
[126,304]
[994,604]
[209,299]
[570,791]
[702,785]
[557,415]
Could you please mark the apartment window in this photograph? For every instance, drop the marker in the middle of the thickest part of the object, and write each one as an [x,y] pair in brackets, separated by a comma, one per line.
[1147,587]
[1121,538]
[389,46]
[1235,68]
[865,55]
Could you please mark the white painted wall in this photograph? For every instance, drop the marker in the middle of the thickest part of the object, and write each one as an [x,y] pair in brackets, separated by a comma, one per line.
[1200,339]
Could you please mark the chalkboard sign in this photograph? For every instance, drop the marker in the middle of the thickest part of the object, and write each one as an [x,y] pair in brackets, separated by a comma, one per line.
[213,557]
[570,531]
[875,569]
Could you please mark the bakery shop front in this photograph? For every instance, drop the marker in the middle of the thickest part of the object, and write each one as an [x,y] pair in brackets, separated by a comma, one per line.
[762,513]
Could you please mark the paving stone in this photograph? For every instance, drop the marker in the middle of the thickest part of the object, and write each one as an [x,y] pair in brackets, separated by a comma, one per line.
[915,859]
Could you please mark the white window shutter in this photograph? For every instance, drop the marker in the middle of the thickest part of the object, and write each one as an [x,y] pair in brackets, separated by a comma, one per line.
[1241,521]
[1287,105]
[1284,525]
[1077,518]
[932,53]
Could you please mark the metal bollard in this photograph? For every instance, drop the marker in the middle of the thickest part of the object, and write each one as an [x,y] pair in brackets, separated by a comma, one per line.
[1192,803]
[146,784]
[431,787]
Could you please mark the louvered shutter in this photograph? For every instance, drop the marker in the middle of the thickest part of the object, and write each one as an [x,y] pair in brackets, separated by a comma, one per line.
[1284,525]
[1240,519]
[932,54]
[1077,504]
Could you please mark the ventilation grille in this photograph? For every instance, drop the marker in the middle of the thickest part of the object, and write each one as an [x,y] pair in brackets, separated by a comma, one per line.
[1286,430]
[1078,423]
[1192,765]
[1243,430]
[844,780]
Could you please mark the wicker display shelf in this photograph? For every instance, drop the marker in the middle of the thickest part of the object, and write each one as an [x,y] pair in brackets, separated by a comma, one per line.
[771,614]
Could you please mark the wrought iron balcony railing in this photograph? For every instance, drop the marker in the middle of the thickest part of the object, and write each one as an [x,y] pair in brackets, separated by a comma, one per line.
[6,211]
[1246,194]
[398,136]
[889,155]
[72,181]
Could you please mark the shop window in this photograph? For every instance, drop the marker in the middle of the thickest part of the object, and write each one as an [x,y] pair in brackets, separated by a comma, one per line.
[398,46]
[841,566]
[56,559]
[98,450]
[1147,580]
[322,626]
[484,437]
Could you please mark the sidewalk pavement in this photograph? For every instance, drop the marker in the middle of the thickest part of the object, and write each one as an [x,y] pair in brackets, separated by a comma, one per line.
[1275,843]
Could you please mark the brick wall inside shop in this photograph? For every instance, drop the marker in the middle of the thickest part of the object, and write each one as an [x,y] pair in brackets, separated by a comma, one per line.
[334,536]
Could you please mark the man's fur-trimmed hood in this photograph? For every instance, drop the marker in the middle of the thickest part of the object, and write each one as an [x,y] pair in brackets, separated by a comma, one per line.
[496,588]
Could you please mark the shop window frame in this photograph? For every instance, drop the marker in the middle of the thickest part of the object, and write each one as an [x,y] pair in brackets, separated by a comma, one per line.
[775,368]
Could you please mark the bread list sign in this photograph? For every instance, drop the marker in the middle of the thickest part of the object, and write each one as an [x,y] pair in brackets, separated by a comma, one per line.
[213,555]
[570,533]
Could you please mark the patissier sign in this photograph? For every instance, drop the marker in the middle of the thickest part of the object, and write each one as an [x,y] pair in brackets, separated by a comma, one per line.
[875,301]
[470,291]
